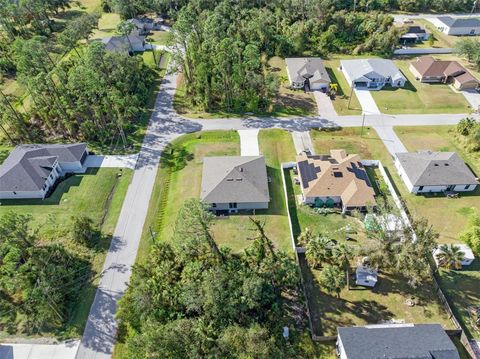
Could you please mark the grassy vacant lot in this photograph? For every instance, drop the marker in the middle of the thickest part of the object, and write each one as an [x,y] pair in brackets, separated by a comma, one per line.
[99,194]
[448,216]
[417,97]
[288,103]
[343,93]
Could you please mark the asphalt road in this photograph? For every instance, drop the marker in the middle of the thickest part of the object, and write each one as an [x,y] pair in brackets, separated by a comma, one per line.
[165,125]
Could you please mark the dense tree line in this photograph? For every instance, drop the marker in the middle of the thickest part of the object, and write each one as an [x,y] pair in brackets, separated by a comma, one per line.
[39,279]
[194,299]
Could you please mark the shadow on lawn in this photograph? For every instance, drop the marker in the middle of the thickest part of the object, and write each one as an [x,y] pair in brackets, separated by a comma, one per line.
[55,197]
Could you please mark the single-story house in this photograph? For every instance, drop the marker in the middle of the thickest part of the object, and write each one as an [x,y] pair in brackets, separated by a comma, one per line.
[395,341]
[145,24]
[31,171]
[307,73]
[457,26]
[372,74]
[125,44]
[468,256]
[428,171]
[427,69]
[366,276]
[414,34]
[232,183]
[337,179]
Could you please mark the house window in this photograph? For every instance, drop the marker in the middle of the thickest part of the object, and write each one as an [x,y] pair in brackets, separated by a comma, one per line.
[420,188]
[467,186]
[214,205]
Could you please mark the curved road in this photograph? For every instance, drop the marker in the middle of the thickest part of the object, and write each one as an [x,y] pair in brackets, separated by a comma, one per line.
[165,125]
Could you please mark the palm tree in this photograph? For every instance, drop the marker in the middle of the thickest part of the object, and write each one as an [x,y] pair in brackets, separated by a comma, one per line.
[450,257]
[319,251]
[342,254]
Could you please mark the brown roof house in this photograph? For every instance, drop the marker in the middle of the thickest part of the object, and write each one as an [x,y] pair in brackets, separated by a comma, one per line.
[427,69]
[337,179]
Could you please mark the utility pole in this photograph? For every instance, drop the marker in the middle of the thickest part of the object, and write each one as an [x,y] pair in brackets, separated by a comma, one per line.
[363,124]
[350,97]
[474,6]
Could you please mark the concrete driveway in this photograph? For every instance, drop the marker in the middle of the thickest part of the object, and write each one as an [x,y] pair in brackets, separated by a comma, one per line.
[127,161]
[473,98]
[369,107]
[324,104]
[39,351]
[302,141]
[249,142]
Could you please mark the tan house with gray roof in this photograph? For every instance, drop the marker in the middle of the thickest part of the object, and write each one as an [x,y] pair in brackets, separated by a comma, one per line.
[338,179]
[233,183]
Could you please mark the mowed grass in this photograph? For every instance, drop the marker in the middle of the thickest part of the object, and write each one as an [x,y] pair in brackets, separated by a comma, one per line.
[417,97]
[107,25]
[448,216]
[99,194]
[234,231]
[342,99]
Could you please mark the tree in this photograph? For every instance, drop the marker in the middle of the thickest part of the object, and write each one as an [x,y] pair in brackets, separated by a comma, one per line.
[431,40]
[125,28]
[83,230]
[77,29]
[319,251]
[332,279]
[471,234]
[342,254]
[450,257]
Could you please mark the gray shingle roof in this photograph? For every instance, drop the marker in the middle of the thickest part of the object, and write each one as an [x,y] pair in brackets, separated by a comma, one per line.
[459,22]
[28,166]
[427,168]
[360,69]
[419,341]
[301,68]
[240,179]
[121,43]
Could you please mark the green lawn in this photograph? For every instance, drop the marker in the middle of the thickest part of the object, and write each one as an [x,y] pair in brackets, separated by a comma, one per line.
[160,37]
[448,216]
[107,25]
[98,194]
[419,98]
[342,99]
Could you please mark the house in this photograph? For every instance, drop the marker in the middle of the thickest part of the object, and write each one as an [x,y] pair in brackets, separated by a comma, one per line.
[428,171]
[31,171]
[427,69]
[125,44]
[233,183]
[372,74]
[337,179]
[468,256]
[413,35]
[307,73]
[395,341]
[145,24]
[457,26]
[365,276]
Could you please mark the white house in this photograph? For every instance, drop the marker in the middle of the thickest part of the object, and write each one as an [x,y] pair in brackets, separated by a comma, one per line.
[457,26]
[307,73]
[395,341]
[372,74]
[427,171]
[31,171]
[468,256]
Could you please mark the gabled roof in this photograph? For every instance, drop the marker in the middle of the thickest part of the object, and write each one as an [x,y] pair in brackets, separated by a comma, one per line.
[240,179]
[28,166]
[459,22]
[397,341]
[359,69]
[427,66]
[336,175]
[416,30]
[121,43]
[427,168]
[301,68]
